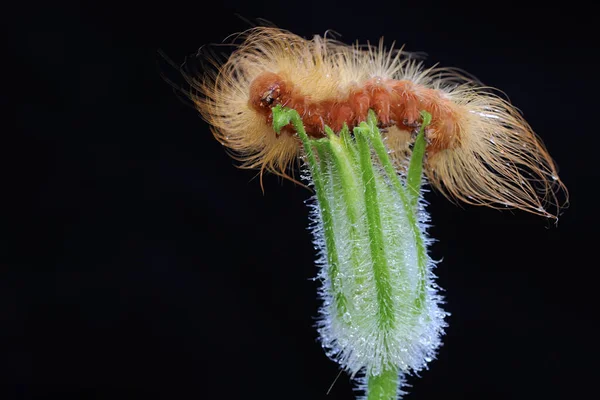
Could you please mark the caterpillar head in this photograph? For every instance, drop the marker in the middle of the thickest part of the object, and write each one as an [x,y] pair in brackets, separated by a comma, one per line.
[266,91]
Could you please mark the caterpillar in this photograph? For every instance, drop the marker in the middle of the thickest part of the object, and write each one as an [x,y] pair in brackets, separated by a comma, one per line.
[480,150]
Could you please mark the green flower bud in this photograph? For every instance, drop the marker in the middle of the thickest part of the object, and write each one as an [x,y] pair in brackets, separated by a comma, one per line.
[381,315]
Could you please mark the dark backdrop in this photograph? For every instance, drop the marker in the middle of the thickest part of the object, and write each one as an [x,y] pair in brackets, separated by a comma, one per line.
[138,262]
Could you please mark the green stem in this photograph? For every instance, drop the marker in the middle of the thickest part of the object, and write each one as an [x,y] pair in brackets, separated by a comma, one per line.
[383,386]
[344,172]
[282,117]
[408,202]
[415,169]
[380,268]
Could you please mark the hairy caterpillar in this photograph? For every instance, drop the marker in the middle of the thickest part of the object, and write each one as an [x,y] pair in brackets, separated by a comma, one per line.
[368,122]
[479,148]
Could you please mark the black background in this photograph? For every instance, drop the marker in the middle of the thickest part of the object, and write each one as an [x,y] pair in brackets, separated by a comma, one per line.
[138,262]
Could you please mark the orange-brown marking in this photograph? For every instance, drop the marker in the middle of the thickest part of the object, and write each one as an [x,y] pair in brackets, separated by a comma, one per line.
[395,103]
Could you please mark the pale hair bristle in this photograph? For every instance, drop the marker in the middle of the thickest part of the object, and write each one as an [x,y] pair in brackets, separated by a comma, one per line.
[498,160]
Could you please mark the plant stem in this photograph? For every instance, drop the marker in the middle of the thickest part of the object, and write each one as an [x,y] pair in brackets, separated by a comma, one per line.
[282,117]
[415,169]
[409,202]
[380,267]
[383,386]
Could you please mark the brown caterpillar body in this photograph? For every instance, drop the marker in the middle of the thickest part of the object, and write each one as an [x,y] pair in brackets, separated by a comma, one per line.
[396,103]
[480,149]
